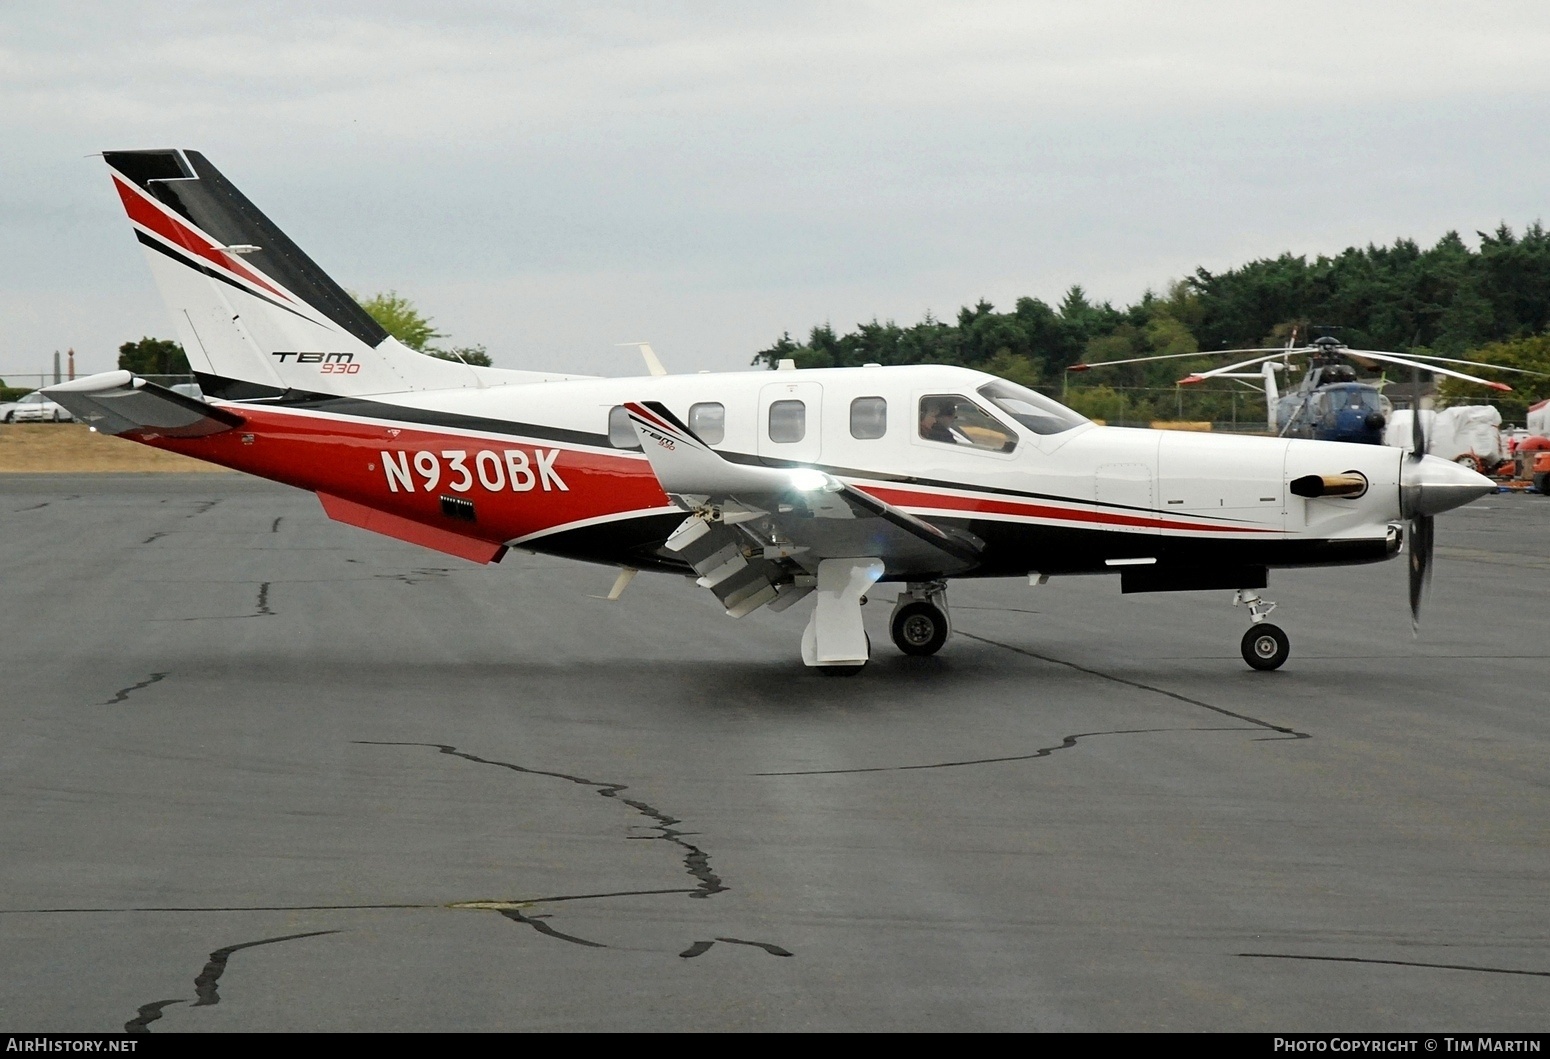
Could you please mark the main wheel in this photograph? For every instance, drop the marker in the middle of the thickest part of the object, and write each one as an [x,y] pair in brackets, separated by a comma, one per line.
[919,628]
[1265,646]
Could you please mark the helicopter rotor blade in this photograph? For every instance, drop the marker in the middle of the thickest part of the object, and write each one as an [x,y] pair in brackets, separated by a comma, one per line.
[1452,360]
[1278,351]
[1211,373]
[1433,368]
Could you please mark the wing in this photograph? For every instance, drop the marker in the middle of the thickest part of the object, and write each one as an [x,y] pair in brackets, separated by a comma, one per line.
[756,534]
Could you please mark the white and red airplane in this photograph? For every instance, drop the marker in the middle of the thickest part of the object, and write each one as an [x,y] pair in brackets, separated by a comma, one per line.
[766,486]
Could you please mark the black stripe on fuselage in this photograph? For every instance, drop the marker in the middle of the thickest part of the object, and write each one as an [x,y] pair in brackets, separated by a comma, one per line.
[1011,550]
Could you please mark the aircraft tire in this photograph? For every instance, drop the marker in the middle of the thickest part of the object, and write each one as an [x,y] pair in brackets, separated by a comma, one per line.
[919,628]
[1265,646]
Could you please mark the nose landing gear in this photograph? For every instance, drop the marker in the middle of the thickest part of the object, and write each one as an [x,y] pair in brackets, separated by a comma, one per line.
[1264,646]
[920,624]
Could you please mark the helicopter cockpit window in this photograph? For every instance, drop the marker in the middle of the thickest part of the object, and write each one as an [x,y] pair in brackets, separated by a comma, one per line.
[1031,408]
[955,420]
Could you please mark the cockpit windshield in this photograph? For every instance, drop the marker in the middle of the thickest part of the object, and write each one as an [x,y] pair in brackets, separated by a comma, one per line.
[1356,399]
[1033,410]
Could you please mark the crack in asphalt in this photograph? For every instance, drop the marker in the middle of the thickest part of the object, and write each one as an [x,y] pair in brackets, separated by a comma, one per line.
[123,694]
[518,902]
[46,503]
[414,577]
[148,1014]
[1044,751]
[275,526]
[205,983]
[701,947]
[1396,963]
[155,536]
[696,860]
[263,610]
[1286,732]
[538,924]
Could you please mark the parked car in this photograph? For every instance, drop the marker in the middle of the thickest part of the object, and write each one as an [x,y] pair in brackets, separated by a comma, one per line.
[34,408]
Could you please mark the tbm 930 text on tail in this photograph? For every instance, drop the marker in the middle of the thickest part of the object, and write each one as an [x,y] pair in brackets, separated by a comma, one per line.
[765,487]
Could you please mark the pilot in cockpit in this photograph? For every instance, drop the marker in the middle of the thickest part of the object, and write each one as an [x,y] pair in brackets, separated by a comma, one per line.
[936,419]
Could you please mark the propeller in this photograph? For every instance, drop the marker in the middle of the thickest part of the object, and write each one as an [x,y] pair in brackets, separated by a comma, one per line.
[1422,534]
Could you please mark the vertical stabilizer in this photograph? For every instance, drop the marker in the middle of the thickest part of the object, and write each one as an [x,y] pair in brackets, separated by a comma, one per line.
[256,315]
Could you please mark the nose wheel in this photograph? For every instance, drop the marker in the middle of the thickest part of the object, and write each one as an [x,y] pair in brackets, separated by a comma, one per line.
[1264,646]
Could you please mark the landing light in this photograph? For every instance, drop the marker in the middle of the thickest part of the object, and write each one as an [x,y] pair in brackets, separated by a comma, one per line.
[807,480]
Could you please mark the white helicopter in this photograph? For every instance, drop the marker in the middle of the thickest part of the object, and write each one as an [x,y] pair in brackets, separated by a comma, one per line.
[766,487]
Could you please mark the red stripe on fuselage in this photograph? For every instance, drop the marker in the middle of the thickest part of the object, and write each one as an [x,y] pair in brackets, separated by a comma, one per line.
[151,216]
[915,502]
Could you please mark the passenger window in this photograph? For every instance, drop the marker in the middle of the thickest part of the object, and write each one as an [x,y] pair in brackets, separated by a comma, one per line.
[955,420]
[868,418]
[788,421]
[709,420]
[621,433]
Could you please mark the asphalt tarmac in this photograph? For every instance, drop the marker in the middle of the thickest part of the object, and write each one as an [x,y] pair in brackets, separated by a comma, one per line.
[260,771]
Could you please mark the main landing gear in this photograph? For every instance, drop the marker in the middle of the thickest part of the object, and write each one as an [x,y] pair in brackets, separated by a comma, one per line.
[834,641]
[1265,646]
[920,624]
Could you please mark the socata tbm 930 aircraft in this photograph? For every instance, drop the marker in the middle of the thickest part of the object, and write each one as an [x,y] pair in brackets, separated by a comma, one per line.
[768,486]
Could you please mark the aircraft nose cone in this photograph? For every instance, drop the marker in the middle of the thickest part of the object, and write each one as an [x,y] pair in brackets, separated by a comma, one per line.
[1432,485]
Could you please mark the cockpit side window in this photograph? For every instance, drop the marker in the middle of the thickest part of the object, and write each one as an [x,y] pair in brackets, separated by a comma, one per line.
[953,419]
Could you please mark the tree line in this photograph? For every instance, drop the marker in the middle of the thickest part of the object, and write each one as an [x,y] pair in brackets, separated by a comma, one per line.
[1489,303]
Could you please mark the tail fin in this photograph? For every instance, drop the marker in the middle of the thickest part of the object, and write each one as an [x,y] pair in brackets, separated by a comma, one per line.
[256,315]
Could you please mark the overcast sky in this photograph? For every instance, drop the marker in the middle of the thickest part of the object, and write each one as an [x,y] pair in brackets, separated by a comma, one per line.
[551,179]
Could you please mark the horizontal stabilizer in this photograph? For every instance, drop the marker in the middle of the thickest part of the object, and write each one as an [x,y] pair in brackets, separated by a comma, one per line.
[116,402]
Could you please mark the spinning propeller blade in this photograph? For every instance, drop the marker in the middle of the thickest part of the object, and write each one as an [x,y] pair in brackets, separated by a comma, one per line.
[1421,528]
